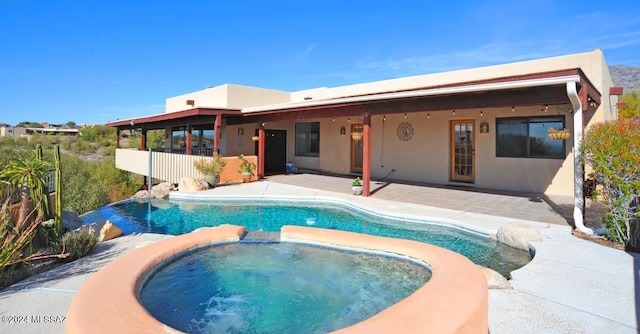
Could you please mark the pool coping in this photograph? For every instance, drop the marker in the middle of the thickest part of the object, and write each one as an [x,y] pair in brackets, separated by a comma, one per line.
[456,295]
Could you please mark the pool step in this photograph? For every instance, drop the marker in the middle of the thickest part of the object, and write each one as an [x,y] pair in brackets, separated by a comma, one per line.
[260,237]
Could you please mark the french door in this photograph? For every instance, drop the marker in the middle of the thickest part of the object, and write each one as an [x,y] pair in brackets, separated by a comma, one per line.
[356,149]
[463,155]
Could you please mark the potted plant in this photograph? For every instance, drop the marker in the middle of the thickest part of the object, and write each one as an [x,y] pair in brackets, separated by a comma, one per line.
[210,168]
[246,169]
[356,186]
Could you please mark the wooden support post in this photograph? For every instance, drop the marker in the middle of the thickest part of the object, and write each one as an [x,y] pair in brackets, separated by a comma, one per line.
[366,155]
[189,139]
[143,139]
[261,143]
[216,133]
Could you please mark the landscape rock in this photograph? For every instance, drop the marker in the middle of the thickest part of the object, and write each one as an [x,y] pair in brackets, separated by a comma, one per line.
[518,235]
[142,194]
[71,220]
[192,184]
[162,190]
[494,279]
[103,230]
[109,231]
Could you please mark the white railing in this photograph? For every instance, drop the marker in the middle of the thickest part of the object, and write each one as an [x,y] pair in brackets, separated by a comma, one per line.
[164,166]
[172,167]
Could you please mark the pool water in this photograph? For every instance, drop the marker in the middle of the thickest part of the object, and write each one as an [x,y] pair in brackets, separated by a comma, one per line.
[277,288]
[178,217]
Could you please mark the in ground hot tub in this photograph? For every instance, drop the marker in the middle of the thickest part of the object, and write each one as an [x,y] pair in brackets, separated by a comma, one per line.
[455,299]
[277,287]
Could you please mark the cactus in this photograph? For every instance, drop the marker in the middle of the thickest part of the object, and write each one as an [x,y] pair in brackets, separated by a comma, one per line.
[40,194]
[58,214]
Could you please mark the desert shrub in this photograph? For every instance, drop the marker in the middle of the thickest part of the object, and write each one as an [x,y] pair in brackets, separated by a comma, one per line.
[15,239]
[82,191]
[76,244]
[612,150]
[82,146]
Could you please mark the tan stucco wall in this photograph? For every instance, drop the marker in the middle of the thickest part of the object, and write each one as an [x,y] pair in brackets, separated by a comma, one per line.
[227,96]
[425,158]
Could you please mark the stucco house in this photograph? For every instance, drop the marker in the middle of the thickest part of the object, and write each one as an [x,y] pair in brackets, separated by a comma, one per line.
[514,127]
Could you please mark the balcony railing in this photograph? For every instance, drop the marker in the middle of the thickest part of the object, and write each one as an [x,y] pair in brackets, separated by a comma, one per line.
[171,167]
[207,152]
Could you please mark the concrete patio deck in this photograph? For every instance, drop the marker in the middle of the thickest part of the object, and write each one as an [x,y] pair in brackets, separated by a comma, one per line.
[571,286]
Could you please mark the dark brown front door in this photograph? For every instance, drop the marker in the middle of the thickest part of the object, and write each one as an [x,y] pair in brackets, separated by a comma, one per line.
[275,151]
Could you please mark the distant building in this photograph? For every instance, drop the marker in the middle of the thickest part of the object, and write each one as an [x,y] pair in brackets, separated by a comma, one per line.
[18,132]
[10,131]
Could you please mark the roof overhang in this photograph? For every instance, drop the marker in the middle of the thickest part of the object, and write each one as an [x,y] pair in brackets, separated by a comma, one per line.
[197,115]
[547,88]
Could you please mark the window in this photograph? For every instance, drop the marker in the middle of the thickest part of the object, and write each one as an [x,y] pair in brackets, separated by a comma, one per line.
[528,137]
[308,139]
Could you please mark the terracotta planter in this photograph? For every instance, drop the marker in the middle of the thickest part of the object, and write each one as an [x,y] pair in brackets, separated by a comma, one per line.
[246,177]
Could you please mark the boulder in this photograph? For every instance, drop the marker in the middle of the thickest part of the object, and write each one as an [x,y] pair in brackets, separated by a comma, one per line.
[192,184]
[94,227]
[162,190]
[518,235]
[142,194]
[494,279]
[109,231]
[71,220]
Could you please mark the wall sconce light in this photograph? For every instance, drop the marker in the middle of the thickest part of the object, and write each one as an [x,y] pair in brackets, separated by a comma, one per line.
[191,102]
[405,115]
[428,115]
[348,120]
[513,108]
[240,132]
[484,127]
[454,112]
[343,131]
[481,113]
[255,138]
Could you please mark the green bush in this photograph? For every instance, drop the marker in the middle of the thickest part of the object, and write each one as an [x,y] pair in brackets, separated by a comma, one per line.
[77,244]
[82,146]
[82,191]
[612,150]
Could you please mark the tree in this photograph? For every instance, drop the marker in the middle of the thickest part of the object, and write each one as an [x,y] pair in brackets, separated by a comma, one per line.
[26,173]
[633,105]
[612,150]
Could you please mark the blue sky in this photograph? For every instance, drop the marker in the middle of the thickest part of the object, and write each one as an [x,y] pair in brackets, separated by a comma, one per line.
[96,61]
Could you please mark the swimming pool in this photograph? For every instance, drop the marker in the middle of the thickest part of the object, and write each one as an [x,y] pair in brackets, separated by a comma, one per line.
[177,217]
